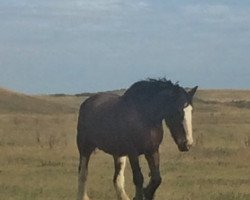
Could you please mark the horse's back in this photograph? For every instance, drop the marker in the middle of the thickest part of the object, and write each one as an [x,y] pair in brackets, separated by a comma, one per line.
[99,99]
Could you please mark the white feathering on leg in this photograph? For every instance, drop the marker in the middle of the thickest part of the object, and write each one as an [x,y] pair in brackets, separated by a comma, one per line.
[120,180]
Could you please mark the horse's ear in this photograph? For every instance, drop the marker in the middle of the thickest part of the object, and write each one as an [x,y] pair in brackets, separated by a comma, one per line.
[192,92]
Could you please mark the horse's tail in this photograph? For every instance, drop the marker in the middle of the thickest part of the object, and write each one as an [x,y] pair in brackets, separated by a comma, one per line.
[81,134]
[83,143]
[84,111]
[84,153]
[80,122]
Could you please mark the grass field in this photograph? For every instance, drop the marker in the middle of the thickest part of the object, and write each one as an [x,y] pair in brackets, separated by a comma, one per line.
[39,159]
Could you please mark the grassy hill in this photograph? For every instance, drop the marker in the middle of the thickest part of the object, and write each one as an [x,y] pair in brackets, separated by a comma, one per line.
[13,102]
[224,95]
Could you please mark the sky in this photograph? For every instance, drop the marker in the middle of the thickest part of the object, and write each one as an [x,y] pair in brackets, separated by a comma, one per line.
[74,46]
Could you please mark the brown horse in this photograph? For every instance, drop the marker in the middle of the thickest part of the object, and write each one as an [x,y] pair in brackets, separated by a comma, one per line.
[131,125]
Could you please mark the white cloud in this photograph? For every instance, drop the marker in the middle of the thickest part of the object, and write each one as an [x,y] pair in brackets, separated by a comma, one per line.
[208,13]
[217,13]
[106,5]
[97,5]
[208,10]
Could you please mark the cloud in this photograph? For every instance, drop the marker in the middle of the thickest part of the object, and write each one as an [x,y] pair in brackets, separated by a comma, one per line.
[207,13]
[217,13]
[96,6]
[208,10]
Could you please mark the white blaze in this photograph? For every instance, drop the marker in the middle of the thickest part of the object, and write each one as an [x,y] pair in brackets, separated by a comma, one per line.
[187,123]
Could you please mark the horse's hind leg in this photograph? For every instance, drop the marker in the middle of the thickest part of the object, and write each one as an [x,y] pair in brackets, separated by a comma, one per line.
[119,181]
[82,177]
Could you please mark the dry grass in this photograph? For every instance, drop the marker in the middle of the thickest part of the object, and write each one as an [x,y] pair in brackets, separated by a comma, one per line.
[224,95]
[39,157]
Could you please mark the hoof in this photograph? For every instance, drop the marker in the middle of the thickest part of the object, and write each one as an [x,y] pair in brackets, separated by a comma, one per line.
[142,199]
[146,195]
[86,198]
[138,199]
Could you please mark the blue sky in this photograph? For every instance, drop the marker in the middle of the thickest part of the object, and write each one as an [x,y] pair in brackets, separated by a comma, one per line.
[72,46]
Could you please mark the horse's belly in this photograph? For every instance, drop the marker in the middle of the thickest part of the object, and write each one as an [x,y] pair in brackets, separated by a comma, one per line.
[114,147]
[113,144]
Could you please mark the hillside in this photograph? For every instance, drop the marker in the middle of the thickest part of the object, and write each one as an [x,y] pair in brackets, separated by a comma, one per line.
[13,102]
[74,101]
[226,95]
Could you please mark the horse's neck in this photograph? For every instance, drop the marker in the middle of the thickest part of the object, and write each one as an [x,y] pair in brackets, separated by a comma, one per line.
[154,111]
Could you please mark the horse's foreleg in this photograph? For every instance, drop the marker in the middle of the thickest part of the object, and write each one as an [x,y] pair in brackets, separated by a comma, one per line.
[155,180]
[119,181]
[137,177]
[82,178]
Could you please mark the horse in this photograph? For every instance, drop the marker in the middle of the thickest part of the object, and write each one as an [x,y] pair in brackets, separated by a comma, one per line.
[130,125]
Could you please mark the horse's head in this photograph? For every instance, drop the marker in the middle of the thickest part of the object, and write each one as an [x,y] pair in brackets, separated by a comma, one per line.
[179,119]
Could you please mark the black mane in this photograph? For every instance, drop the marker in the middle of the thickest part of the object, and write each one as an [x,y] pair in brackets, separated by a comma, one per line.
[152,98]
[147,88]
